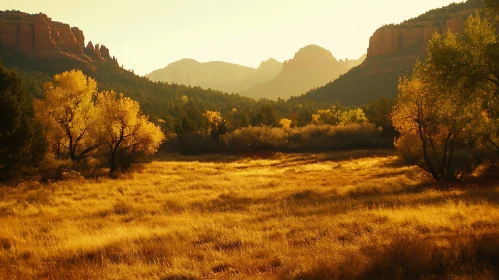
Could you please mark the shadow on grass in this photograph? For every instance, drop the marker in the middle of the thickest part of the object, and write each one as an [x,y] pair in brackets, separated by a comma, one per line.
[408,255]
[323,204]
[299,157]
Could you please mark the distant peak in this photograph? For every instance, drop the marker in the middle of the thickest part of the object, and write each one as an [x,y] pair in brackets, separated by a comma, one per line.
[184,61]
[188,60]
[269,63]
[313,51]
[313,47]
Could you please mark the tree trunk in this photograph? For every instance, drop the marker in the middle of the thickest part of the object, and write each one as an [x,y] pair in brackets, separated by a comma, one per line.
[434,174]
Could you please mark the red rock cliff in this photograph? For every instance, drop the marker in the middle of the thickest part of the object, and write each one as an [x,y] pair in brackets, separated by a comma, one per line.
[36,35]
[409,40]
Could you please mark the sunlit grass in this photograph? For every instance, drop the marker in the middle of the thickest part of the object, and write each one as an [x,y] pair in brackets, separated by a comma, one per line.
[300,216]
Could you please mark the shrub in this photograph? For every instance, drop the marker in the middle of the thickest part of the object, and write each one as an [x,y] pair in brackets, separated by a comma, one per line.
[329,137]
[310,138]
[255,138]
[53,168]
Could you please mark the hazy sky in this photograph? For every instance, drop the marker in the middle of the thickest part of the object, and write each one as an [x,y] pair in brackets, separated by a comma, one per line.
[149,34]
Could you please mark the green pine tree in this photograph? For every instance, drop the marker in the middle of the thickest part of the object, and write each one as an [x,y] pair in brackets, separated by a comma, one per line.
[22,144]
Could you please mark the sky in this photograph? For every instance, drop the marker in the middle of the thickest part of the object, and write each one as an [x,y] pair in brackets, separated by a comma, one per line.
[147,35]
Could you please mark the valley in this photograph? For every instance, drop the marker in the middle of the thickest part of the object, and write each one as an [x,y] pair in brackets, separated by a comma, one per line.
[359,215]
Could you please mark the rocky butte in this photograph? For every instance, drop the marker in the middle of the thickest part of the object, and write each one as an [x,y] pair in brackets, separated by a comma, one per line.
[312,66]
[393,51]
[408,41]
[37,36]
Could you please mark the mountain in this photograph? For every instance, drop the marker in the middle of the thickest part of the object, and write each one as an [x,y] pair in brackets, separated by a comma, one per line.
[38,47]
[217,75]
[312,66]
[37,36]
[393,51]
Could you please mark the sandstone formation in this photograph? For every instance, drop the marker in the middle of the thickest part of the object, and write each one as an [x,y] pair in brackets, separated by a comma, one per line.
[311,67]
[409,40]
[90,49]
[104,52]
[393,51]
[36,35]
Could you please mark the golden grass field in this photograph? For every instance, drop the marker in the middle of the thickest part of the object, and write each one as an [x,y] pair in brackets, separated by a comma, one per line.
[355,215]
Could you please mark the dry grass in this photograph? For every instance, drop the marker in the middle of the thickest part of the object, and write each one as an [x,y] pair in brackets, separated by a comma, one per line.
[350,215]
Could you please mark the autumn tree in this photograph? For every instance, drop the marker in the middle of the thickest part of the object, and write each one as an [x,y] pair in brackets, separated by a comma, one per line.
[327,116]
[353,116]
[471,61]
[125,130]
[218,125]
[21,140]
[68,114]
[285,123]
[434,122]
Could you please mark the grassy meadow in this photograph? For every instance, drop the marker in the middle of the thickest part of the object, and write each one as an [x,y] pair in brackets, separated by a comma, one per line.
[346,215]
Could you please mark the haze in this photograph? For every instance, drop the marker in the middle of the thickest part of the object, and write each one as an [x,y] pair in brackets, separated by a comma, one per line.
[150,34]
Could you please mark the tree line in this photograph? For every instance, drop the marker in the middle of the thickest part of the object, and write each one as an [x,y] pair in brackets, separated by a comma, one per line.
[74,127]
[73,122]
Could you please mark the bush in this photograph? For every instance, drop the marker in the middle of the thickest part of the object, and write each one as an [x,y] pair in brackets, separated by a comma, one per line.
[409,148]
[461,161]
[53,168]
[329,137]
[197,143]
[255,138]
[310,138]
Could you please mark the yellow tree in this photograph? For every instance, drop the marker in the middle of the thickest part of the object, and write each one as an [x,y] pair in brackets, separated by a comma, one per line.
[286,123]
[353,116]
[125,130]
[68,114]
[471,61]
[218,125]
[433,122]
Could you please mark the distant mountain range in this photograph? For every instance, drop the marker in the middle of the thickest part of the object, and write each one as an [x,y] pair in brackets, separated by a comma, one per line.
[40,47]
[217,75]
[393,51]
[312,66]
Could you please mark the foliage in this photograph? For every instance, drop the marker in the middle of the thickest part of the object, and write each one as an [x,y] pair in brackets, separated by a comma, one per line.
[441,130]
[285,123]
[302,139]
[256,138]
[328,116]
[125,130]
[354,116]
[446,12]
[78,121]
[218,125]
[450,102]
[68,115]
[21,140]
[470,60]
[492,7]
